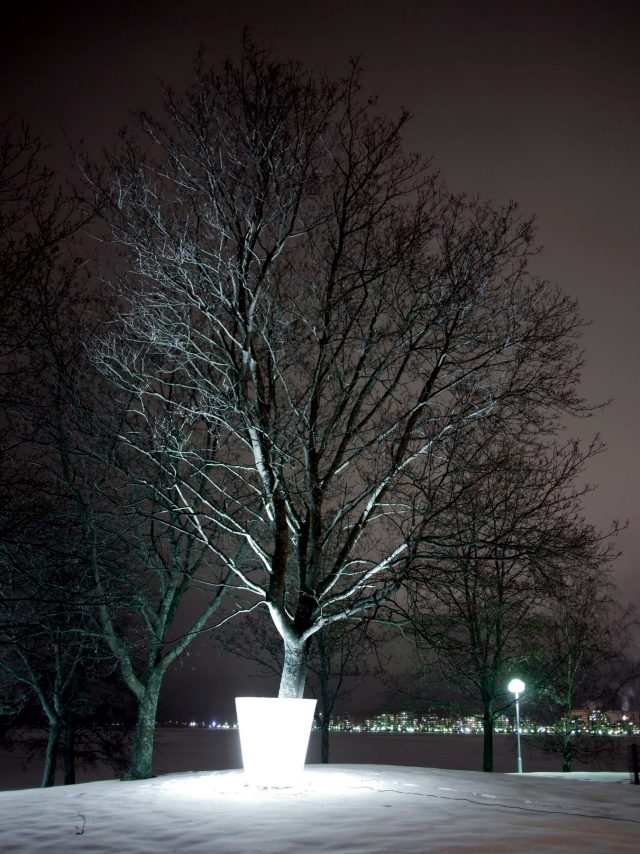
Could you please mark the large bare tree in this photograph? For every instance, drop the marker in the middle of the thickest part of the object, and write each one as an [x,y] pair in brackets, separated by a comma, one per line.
[310,314]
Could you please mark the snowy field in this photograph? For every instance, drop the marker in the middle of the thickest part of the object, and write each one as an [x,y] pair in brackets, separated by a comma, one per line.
[351,809]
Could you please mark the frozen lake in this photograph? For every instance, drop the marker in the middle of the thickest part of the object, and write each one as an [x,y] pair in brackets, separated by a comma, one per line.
[196,749]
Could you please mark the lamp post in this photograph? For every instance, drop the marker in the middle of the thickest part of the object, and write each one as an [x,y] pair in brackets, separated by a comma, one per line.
[517,686]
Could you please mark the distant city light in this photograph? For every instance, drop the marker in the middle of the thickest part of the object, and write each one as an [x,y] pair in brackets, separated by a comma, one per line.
[444,722]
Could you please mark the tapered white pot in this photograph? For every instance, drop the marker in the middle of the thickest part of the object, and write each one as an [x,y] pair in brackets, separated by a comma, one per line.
[274,736]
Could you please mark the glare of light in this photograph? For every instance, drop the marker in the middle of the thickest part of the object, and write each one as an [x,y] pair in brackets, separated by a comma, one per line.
[317,782]
[516,686]
[274,736]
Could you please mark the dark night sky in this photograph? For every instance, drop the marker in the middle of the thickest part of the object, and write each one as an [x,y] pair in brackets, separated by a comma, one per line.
[536,101]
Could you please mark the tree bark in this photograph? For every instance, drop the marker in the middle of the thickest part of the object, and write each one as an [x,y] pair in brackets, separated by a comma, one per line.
[487,723]
[51,756]
[142,754]
[69,750]
[294,671]
[324,740]
[566,751]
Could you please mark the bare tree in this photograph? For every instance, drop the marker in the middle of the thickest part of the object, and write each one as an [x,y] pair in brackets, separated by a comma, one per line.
[38,225]
[40,627]
[584,646]
[97,732]
[163,594]
[502,545]
[342,656]
[154,589]
[140,570]
[37,221]
[314,314]
[63,468]
[54,652]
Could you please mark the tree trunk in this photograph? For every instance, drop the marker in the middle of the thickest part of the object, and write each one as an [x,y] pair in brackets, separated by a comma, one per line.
[566,751]
[327,702]
[487,723]
[69,754]
[324,740]
[142,755]
[294,671]
[51,756]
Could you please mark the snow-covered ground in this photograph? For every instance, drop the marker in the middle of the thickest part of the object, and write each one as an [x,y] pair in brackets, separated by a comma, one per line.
[363,809]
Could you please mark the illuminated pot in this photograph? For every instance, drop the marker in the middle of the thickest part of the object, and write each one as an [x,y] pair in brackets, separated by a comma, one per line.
[274,736]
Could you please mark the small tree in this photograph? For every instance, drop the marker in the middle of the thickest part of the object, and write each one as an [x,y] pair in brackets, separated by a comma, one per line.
[499,548]
[99,730]
[49,639]
[160,570]
[584,646]
[146,573]
[340,654]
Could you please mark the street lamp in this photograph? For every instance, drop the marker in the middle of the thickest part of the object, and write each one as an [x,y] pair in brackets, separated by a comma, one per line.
[517,686]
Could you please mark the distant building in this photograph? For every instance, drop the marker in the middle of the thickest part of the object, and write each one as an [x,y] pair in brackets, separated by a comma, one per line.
[607,721]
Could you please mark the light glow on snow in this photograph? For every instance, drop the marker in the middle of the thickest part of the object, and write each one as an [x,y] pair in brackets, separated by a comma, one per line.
[234,786]
[274,736]
[354,809]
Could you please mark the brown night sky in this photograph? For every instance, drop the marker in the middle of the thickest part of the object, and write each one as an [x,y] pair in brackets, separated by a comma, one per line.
[536,101]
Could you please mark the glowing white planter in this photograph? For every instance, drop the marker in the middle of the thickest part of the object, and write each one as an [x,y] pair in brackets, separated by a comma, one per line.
[274,735]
